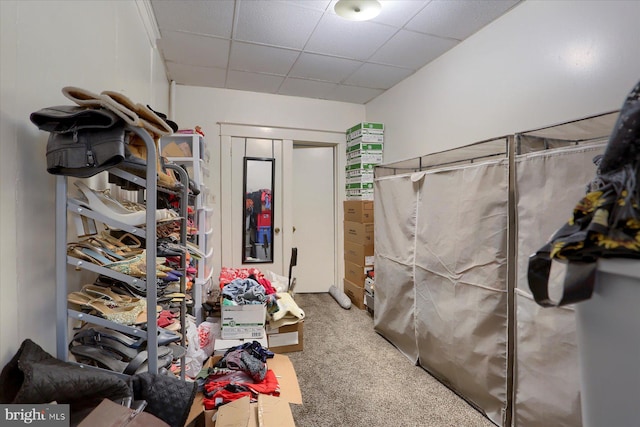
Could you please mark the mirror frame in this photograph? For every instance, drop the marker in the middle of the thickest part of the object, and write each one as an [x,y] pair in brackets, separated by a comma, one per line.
[269,248]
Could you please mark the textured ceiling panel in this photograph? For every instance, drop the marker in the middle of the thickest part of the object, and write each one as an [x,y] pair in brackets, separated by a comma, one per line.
[254,82]
[196,76]
[326,68]
[196,16]
[337,36]
[378,76]
[458,19]
[308,88]
[275,23]
[412,50]
[191,49]
[261,59]
[302,48]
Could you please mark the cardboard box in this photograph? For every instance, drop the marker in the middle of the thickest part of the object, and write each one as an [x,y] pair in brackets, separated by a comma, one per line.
[359,194]
[355,294]
[243,321]
[358,232]
[356,273]
[220,346]
[358,211]
[375,138]
[280,411]
[286,339]
[365,128]
[365,175]
[364,158]
[359,186]
[359,254]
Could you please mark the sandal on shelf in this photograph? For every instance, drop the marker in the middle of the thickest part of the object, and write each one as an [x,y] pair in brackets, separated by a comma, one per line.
[89,253]
[101,202]
[127,242]
[107,360]
[95,338]
[128,315]
[101,292]
[165,337]
[118,251]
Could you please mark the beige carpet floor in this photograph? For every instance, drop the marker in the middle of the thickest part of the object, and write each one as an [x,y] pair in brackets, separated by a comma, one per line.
[351,376]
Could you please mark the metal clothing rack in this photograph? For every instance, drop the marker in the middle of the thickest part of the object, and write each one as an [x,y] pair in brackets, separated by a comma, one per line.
[63,206]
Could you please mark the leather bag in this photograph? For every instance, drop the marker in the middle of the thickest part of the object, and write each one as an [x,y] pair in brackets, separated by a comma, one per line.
[82,141]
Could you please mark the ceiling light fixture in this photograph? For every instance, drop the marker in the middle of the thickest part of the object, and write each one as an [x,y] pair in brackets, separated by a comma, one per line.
[358,10]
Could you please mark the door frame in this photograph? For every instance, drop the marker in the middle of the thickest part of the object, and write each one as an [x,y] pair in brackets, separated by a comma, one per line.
[334,139]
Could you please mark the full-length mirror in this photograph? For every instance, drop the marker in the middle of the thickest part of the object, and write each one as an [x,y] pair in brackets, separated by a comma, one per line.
[258,205]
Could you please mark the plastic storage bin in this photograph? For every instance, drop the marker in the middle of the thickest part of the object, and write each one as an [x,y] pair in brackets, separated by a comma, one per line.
[608,328]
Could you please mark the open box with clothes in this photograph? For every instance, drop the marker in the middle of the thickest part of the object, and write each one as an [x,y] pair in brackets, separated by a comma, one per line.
[245,378]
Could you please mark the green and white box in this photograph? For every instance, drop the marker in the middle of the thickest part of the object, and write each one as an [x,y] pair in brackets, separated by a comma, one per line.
[243,321]
[376,138]
[359,194]
[365,147]
[367,158]
[360,186]
[365,128]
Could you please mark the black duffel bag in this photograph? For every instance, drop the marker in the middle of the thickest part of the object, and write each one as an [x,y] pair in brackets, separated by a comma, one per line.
[82,141]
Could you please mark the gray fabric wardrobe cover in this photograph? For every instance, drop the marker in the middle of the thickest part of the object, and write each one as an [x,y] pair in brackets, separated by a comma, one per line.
[395,206]
[458,294]
[549,184]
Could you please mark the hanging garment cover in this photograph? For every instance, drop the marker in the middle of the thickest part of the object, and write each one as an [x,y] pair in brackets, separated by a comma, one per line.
[605,223]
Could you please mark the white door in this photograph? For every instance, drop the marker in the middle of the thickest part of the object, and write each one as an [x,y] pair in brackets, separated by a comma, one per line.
[233,247]
[304,184]
[313,217]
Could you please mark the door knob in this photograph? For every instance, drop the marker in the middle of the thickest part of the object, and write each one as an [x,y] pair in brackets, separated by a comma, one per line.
[294,228]
[277,230]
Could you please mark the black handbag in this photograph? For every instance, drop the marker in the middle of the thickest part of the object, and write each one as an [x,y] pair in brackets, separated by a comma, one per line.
[605,223]
[82,141]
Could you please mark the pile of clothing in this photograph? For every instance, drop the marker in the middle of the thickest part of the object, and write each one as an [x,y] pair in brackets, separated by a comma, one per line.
[241,372]
[247,286]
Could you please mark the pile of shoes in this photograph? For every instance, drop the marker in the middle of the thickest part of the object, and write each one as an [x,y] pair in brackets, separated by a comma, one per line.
[122,353]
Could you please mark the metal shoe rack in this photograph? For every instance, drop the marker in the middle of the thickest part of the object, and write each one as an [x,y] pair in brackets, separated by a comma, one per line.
[65,205]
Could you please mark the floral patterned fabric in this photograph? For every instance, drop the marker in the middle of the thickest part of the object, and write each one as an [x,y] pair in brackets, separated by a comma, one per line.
[605,223]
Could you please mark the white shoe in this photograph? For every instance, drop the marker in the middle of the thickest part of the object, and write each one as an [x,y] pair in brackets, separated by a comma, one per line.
[100,202]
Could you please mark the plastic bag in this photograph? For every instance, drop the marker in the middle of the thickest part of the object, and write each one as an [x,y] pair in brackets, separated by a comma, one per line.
[206,334]
[195,356]
[280,283]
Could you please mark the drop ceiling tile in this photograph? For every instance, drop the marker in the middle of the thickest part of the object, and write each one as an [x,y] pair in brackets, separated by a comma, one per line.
[377,76]
[261,59]
[196,16]
[399,12]
[321,67]
[192,49]
[254,82]
[458,19]
[354,94]
[320,5]
[412,50]
[306,88]
[275,23]
[196,76]
[349,39]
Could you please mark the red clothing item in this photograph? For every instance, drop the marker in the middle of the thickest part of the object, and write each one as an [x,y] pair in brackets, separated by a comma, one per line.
[217,394]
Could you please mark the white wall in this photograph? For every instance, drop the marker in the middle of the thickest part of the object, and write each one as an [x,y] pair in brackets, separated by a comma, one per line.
[46,45]
[206,107]
[542,63]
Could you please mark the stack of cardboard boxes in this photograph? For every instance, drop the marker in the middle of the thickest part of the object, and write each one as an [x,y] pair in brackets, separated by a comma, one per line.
[358,248]
[365,143]
[364,151]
